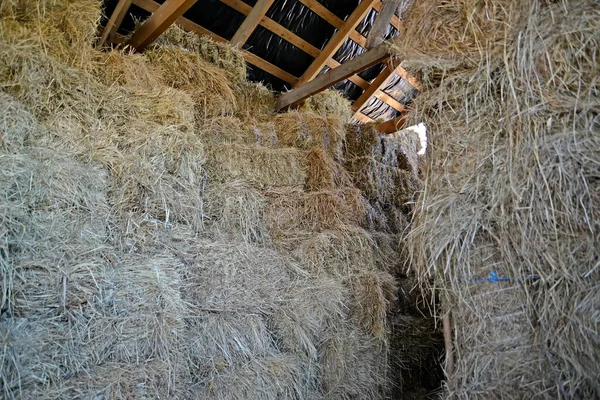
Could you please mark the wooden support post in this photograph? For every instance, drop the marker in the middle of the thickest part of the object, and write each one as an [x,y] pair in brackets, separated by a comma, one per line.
[334,76]
[158,22]
[447,328]
[383,20]
[113,24]
[395,20]
[251,22]
[393,125]
[336,41]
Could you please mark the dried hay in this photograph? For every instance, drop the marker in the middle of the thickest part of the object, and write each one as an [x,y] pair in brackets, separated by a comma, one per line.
[330,103]
[232,130]
[338,253]
[384,183]
[354,365]
[261,166]
[511,190]
[300,324]
[308,130]
[237,209]
[17,124]
[323,173]
[209,86]
[373,295]
[255,100]
[386,217]
[124,68]
[389,253]
[292,211]
[361,141]
[226,57]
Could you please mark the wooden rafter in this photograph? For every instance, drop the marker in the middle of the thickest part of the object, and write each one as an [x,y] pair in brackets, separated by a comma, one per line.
[336,41]
[251,22]
[184,23]
[376,85]
[393,125]
[383,20]
[395,20]
[158,22]
[323,81]
[389,100]
[114,22]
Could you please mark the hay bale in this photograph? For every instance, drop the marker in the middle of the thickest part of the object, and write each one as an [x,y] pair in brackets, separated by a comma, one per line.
[300,324]
[261,166]
[508,176]
[226,57]
[237,209]
[361,141]
[339,253]
[373,295]
[380,182]
[323,172]
[308,130]
[354,365]
[17,124]
[386,217]
[209,86]
[389,253]
[292,211]
[232,130]
[255,100]
[124,68]
[329,103]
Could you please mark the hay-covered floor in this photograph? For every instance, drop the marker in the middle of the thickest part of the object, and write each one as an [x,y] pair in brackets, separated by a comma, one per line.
[164,235]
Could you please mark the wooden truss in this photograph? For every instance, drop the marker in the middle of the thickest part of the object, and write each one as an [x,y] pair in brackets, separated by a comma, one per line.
[312,81]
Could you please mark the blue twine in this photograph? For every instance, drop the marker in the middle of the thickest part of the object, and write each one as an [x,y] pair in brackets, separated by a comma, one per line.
[494,278]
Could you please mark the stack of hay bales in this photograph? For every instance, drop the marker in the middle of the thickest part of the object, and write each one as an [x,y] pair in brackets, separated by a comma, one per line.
[162,235]
[508,222]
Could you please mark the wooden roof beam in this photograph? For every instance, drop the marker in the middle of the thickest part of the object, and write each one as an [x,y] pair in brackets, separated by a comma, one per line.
[331,77]
[158,22]
[395,20]
[115,21]
[382,21]
[393,125]
[251,22]
[336,41]
[376,85]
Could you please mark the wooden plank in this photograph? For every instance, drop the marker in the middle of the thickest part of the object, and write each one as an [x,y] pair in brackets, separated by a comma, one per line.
[373,87]
[382,21]
[410,79]
[393,125]
[158,22]
[114,22]
[363,118]
[395,20]
[323,81]
[336,41]
[186,24]
[389,100]
[251,22]
[333,19]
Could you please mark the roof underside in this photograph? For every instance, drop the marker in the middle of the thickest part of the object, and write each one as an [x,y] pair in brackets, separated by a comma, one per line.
[313,32]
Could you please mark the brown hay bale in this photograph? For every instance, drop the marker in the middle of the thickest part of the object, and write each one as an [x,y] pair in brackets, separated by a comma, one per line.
[235,131]
[330,103]
[387,218]
[380,182]
[292,211]
[64,29]
[208,85]
[513,171]
[354,365]
[323,172]
[255,100]
[337,253]
[373,295]
[308,130]
[124,68]
[457,34]
[226,57]
[261,166]
[361,141]
[389,253]
[313,304]
[237,209]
